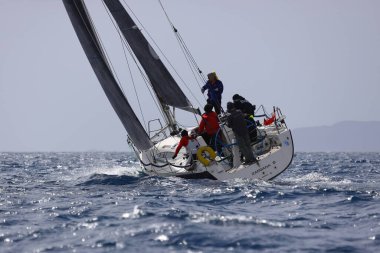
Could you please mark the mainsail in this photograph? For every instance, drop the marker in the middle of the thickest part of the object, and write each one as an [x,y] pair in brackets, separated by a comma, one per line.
[87,36]
[163,84]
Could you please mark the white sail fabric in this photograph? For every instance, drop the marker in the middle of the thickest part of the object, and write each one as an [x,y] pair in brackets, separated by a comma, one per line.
[164,85]
[84,29]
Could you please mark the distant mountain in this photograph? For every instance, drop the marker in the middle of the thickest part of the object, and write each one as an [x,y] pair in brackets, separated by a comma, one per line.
[347,136]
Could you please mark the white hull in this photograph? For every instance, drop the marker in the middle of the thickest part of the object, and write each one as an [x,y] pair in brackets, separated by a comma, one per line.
[269,166]
[272,161]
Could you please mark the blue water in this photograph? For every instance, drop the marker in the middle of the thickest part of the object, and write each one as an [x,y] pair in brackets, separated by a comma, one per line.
[100,202]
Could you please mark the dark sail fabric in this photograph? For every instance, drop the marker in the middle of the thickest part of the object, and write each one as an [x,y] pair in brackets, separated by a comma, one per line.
[164,85]
[85,31]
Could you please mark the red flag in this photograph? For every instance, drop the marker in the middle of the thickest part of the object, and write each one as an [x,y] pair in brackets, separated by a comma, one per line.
[270,120]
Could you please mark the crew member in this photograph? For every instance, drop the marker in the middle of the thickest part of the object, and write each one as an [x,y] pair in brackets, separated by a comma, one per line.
[184,142]
[248,110]
[244,105]
[209,126]
[214,89]
[237,123]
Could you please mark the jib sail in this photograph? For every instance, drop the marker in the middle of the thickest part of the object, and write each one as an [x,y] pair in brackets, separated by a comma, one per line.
[163,84]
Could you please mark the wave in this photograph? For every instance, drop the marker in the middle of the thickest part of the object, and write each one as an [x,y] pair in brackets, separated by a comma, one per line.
[101,179]
[116,175]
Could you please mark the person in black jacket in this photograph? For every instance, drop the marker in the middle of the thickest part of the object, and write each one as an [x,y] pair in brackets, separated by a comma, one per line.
[237,123]
[244,105]
[249,113]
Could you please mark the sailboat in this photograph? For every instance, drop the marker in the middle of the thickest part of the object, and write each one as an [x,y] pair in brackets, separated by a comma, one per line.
[154,149]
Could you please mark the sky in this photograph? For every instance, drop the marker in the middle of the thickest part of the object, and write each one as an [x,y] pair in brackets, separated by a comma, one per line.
[319,61]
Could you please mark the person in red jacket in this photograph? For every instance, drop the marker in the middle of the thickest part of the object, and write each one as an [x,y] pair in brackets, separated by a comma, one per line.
[209,126]
[185,139]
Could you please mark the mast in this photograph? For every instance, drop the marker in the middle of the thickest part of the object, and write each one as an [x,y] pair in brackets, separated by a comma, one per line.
[163,84]
[89,40]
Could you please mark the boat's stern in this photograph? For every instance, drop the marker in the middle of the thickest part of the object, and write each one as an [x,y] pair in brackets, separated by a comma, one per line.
[269,165]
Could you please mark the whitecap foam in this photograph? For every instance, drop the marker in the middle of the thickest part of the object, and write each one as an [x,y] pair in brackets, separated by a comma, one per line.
[242,219]
[117,171]
[133,171]
[136,213]
[162,238]
[317,179]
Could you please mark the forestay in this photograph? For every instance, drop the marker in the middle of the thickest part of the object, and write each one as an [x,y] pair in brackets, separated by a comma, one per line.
[163,84]
[87,36]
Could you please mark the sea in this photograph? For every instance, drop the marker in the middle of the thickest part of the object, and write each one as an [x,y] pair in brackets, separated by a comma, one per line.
[102,202]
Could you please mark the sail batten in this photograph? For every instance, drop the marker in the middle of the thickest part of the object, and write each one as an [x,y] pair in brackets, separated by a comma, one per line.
[86,33]
[165,87]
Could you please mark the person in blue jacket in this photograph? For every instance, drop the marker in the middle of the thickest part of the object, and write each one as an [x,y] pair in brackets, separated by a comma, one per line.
[215,89]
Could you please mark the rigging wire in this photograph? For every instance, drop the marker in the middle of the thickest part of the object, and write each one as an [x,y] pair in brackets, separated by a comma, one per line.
[196,71]
[192,70]
[145,78]
[130,73]
[163,54]
[142,73]
[203,78]
[183,45]
[134,85]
